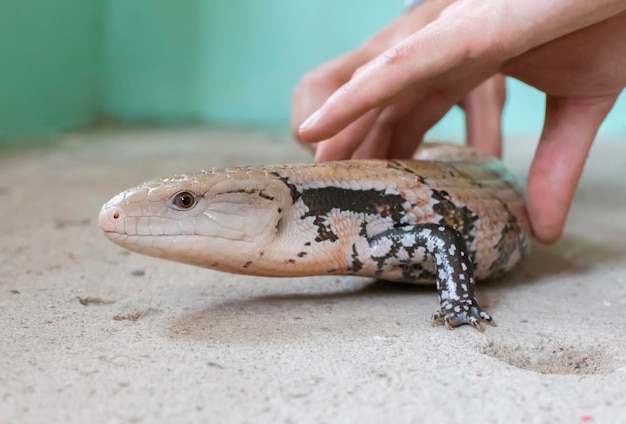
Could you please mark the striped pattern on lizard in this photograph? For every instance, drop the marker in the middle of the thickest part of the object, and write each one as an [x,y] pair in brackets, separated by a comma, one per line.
[451,217]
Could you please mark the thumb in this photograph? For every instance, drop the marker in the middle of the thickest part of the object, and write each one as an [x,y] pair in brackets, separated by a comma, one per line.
[570,126]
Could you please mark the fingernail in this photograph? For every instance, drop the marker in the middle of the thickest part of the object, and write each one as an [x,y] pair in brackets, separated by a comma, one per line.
[310,121]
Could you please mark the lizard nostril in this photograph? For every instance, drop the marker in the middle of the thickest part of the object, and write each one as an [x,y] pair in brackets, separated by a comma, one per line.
[111,219]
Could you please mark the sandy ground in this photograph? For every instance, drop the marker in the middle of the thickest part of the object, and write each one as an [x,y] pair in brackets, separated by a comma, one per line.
[92,333]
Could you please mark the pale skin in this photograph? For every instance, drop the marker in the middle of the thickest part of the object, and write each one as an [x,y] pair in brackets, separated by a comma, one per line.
[379,100]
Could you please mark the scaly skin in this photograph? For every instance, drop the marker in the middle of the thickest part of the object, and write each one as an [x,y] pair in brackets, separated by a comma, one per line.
[412,221]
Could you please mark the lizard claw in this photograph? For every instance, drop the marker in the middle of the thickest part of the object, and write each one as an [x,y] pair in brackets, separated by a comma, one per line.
[467,314]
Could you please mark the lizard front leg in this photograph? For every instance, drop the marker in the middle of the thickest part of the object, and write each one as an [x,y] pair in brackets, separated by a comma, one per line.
[456,284]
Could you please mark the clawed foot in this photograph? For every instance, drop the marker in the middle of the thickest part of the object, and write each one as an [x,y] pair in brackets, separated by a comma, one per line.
[454,314]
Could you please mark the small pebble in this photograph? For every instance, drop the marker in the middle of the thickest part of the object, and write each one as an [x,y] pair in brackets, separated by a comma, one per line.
[136,272]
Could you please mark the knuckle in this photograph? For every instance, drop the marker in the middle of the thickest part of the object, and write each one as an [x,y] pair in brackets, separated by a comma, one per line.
[345,91]
[394,56]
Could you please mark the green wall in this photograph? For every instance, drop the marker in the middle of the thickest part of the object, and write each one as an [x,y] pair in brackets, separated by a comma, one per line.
[51,65]
[225,62]
[64,63]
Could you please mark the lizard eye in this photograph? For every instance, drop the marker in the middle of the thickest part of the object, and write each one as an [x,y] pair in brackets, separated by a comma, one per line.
[183,200]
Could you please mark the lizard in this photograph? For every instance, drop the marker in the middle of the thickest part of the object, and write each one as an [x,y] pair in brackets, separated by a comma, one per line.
[449,216]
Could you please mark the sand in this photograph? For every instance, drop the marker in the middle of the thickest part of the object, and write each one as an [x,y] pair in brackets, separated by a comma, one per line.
[92,333]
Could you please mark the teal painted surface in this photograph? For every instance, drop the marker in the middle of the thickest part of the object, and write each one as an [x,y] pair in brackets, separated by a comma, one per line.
[155,58]
[233,63]
[50,65]
[225,62]
[64,62]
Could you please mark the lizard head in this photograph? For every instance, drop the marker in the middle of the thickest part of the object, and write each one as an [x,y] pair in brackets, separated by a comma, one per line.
[203,219]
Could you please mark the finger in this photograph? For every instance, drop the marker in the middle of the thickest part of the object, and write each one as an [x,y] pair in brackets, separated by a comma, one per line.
[382,81]
[569,129]
[376,142]
[483,115]
[379,139]
[343,145]
[318,84]
[410,131]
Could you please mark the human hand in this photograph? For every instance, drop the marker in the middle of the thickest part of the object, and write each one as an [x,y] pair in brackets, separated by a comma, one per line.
[370,135]
[580,73]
